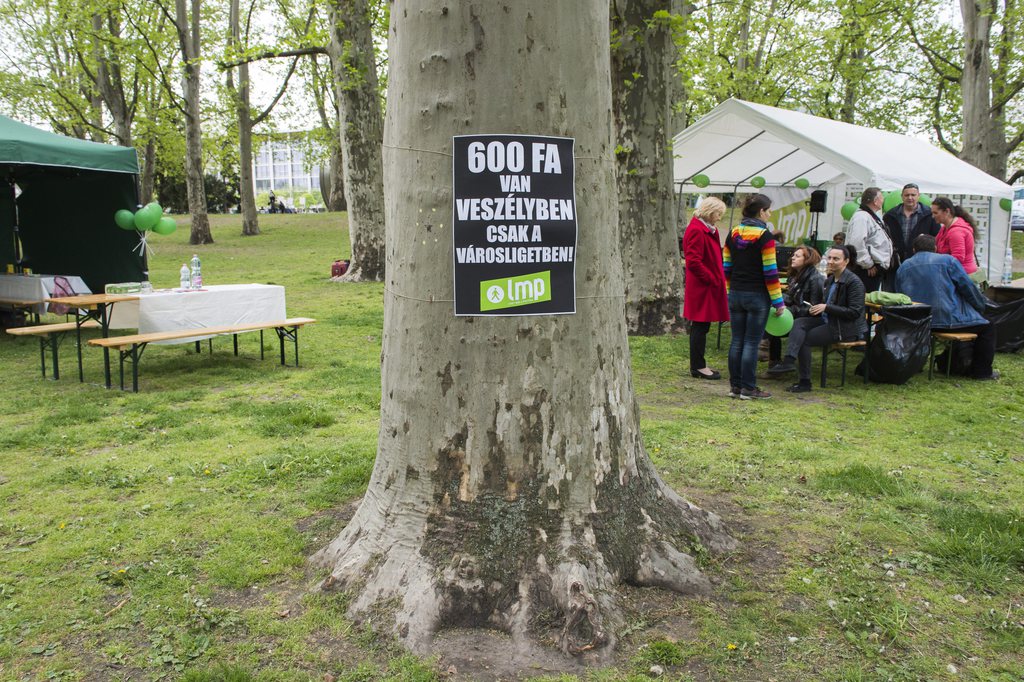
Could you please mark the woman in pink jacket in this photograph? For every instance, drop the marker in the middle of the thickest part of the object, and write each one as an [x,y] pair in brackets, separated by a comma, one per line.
[958,232]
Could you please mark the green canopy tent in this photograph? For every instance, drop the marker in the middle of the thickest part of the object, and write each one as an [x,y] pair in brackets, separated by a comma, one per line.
[58,196]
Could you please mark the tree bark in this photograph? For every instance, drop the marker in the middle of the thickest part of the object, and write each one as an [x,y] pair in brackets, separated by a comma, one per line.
[108,79]
[511,487]
[336,180]
[641,90]
[247,198]
[188,35]
[984,131]
[355,74]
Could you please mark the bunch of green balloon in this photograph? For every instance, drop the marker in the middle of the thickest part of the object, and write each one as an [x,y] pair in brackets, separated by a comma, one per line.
[1005,204]
[701,180]
[802,183]
[892,200]
[149,217]
[757,181]
[848,209]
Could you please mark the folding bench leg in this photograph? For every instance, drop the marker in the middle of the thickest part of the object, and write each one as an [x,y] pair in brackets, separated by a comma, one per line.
[824,364]
[42,354]
[842,379]
[135,368]
[931,357]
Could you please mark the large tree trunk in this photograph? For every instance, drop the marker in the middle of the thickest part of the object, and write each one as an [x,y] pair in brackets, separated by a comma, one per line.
[650,246]
[250,221]
[984,131]
[335,195]
[511,487]
[678,95]
[355,73]
[188,36]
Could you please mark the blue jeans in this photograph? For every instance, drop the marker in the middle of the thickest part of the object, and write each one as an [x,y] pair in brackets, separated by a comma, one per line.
[748,312]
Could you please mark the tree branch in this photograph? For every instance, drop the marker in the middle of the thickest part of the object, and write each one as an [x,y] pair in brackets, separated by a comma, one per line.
[933,57]
[272,54]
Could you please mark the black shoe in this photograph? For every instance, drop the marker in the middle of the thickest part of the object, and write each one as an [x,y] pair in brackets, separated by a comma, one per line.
[991,377]
[714,376]
[787,365]
[799,388]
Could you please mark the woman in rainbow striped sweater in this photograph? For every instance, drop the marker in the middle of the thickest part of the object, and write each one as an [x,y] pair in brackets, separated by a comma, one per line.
[752,279]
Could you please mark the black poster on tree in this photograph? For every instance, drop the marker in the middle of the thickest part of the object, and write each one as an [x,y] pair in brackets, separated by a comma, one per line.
[514,223]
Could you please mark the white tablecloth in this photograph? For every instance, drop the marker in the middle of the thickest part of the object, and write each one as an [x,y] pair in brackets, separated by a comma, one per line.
[36,288]
[212,306]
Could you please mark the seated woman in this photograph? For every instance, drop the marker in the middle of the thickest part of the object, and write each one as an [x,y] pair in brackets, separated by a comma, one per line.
[805,287]
[839,318]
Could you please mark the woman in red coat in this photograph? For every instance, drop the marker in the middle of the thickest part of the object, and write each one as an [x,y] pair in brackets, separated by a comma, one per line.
[704,297]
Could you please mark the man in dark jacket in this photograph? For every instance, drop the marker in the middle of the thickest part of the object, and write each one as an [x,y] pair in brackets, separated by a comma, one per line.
[908,220]
[957,306]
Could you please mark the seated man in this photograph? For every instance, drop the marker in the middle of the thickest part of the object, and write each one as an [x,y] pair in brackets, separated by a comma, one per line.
[839,318]
[940,281]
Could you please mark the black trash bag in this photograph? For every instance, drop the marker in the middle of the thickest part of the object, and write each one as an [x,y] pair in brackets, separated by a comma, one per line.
[901,344]
[1008,319]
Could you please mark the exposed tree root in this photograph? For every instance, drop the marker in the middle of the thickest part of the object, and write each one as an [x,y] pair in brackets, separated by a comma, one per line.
[572,604]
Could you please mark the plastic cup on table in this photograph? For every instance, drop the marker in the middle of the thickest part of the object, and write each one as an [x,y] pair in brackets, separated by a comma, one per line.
[779,325]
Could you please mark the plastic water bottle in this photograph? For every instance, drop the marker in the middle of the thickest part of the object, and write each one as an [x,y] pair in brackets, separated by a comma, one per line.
[186,277]
[1008,266]
[197,274]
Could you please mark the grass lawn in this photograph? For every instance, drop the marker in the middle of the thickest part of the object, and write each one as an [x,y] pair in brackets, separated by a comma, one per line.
[164,534]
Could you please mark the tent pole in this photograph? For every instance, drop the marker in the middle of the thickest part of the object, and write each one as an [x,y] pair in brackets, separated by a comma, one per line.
[14,225]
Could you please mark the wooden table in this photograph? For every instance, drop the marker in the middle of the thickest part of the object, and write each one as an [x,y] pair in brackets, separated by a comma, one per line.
[93,307]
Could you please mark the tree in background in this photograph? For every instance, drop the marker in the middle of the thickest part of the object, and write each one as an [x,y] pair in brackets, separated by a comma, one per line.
[187,21]
[642,46]
[974,88]
[511,487]
[360,123]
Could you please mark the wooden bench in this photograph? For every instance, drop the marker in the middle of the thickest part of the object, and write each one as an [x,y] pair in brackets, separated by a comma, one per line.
[50,336]
[132,345]
[841,347]
[949,341]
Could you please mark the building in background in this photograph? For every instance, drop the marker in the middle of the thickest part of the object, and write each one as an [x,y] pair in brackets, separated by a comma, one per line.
[279,164]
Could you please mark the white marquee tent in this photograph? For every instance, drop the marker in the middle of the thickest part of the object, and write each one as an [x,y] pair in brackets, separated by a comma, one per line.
[739,140]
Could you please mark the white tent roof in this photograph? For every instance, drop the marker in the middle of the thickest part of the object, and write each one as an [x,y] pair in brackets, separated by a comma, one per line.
[739,140]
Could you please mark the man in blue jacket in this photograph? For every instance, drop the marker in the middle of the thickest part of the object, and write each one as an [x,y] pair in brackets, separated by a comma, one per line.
[940,281]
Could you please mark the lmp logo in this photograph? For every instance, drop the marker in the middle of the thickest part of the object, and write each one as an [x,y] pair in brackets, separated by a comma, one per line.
[511,292]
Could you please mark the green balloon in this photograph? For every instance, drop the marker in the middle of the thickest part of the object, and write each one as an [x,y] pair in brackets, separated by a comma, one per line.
[848,209]
[148,216]
[925,199]
[779,325]
[892,200]
[757,181]
[802,183]
[1006,204]
[701,180]
[165,225]
[125,219]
